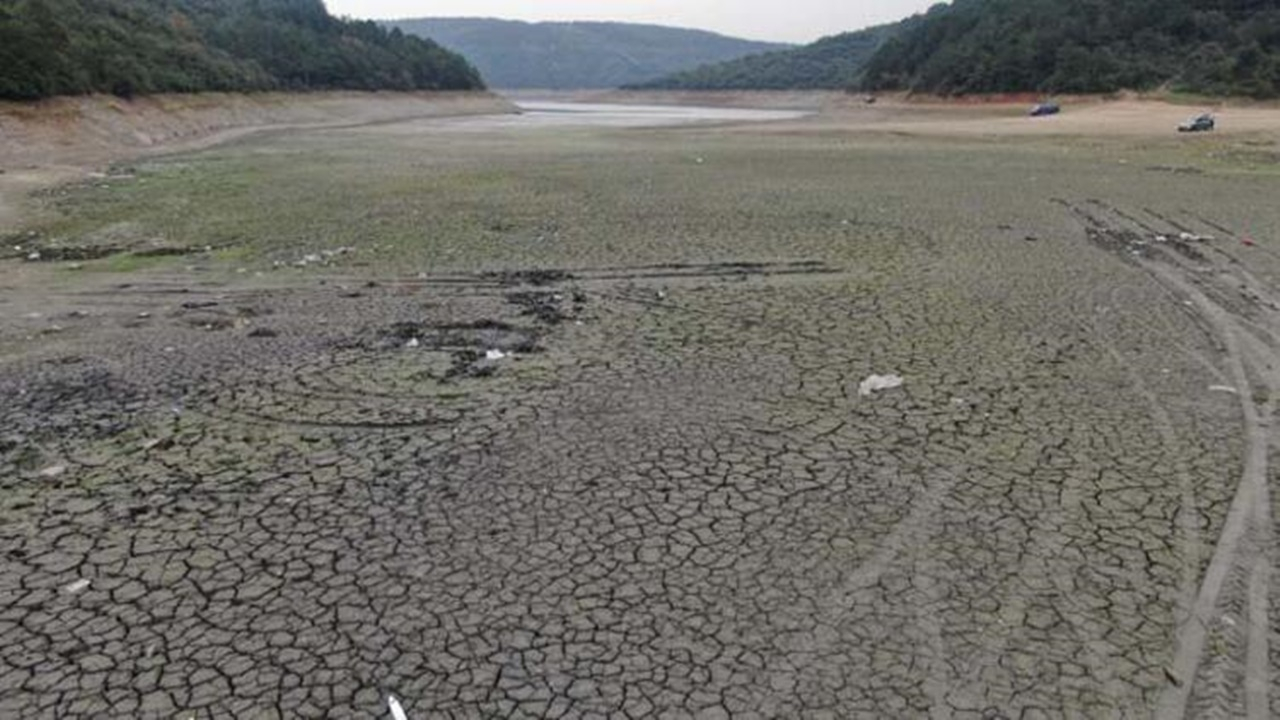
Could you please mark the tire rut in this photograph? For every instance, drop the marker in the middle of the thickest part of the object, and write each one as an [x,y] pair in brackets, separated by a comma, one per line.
[1217,662]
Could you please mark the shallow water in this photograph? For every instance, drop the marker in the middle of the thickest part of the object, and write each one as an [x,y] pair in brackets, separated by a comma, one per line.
[539,114]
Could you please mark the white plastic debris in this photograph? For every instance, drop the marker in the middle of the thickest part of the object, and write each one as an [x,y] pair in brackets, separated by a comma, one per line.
[1192,237]
[413,343]
[34,256]
[78,586]
[53,471]
[495,355]
[397,712]
[1224,389]
[877,383]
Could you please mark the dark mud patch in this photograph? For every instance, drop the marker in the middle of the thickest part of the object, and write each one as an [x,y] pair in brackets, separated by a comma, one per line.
[477,336]
[70,400]
[546,307]
[535,278]
[168,251]
[469,364]
[69,253]
[1175,169]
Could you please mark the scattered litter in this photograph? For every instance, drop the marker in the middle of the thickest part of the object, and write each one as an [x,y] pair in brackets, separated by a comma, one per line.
[662,294]
[322,257]
[1224,389]
[154,443]
[1192,237]
[876,383]
[144,315]
[495,355]
[34,256]
[397,712]
[53,471]
[78,586]
[1248,242]
[413,343]
[1168,674]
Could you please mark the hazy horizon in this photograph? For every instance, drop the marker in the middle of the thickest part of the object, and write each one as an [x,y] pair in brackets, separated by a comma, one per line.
[798,21]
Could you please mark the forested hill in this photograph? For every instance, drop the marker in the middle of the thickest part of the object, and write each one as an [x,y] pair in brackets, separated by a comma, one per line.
[126,47]
[577,55]
[1085,46]
[831,63]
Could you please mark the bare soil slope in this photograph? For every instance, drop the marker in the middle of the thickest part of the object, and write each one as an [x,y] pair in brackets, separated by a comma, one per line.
[60,139]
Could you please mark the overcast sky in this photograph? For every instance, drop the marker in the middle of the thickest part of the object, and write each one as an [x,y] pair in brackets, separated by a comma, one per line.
[783,20]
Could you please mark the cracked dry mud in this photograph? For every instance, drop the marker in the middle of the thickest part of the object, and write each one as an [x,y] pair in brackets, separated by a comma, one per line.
[293,496]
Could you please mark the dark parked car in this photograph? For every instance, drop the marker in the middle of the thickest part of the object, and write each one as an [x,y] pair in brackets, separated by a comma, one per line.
[1045,109]
[1199,123]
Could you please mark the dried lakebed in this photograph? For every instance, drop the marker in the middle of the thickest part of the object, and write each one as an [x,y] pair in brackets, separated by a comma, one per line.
[646,422]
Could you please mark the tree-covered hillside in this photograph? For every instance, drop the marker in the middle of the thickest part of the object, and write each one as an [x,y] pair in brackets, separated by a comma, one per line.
[1085,46]
[831,63]
[575,55]
[62,47]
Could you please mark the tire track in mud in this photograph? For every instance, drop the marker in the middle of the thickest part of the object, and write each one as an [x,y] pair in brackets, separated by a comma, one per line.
[1189,534]
[1210,671]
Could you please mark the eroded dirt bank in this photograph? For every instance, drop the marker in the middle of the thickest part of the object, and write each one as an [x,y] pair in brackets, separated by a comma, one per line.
[60,139]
